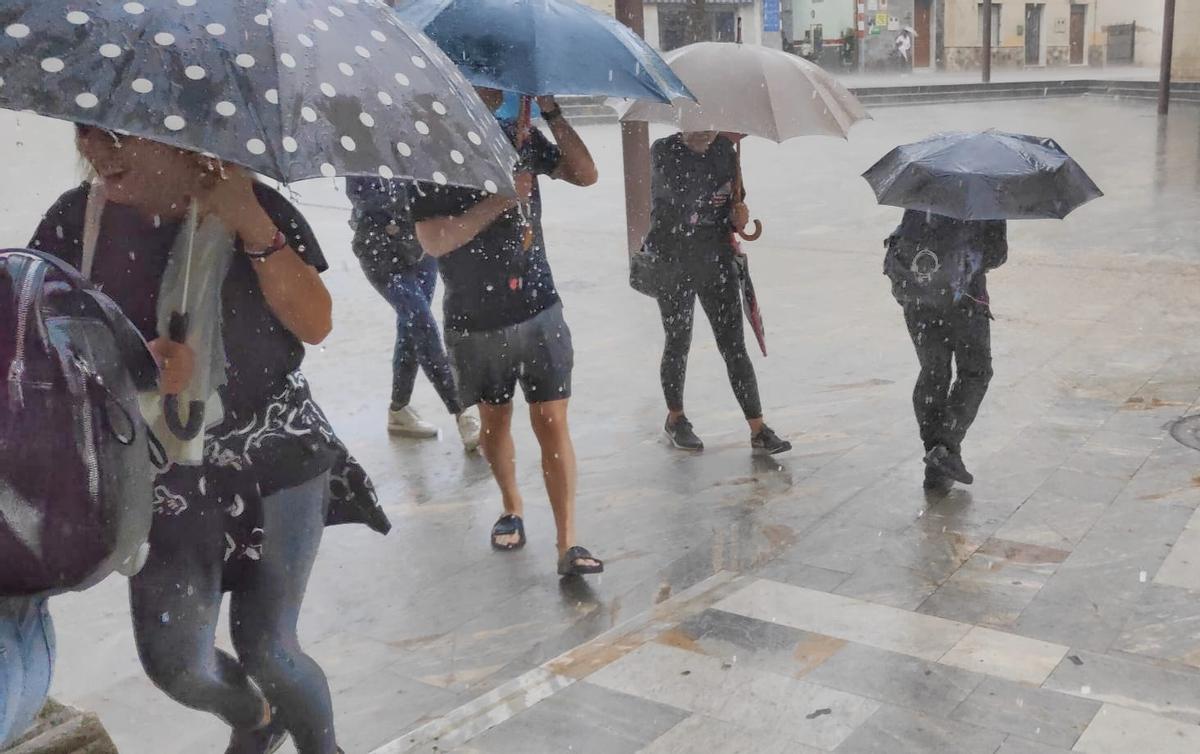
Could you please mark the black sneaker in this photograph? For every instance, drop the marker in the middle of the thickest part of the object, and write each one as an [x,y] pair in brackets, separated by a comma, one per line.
[682,436]
[948,463]
[768,443]
[936,482]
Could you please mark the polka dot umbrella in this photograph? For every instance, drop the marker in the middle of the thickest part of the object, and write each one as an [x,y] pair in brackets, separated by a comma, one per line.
[291,89]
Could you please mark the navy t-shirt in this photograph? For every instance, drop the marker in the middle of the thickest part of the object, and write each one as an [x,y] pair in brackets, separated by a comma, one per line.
[131,258]
[479,295]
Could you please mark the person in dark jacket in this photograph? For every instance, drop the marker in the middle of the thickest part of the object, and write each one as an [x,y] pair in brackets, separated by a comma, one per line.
[396,266]
[247,516]
[693,217]
[938,267]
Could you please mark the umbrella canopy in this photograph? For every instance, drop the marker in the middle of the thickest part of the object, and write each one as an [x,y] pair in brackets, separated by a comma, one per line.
[537,47]
[753,90]
[292,89]
[983,176]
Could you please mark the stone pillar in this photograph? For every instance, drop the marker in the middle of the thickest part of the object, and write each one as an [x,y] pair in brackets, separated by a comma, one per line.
[635,149]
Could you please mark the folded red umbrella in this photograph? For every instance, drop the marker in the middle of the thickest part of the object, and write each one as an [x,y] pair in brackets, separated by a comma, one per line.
[749,297]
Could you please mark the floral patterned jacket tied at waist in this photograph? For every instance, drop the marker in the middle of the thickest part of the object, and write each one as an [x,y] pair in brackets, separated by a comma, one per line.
[252,455]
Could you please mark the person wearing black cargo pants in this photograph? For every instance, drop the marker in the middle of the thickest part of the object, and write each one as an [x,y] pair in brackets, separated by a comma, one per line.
[946,404]
[938,267]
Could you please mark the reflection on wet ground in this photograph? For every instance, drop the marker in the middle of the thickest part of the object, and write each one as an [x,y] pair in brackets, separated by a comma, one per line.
[811,602]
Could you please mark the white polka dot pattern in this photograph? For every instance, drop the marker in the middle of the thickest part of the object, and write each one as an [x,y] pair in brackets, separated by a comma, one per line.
[291,88]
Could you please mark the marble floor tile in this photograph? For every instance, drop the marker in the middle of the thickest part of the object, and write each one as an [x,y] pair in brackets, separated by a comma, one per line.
[582,718]
[1117,730]
[1165,625]
[1032,714]
[854,620]
[1090,598]
[896,679]
[1182,566]
[808,713]
[892,730]
[1004,655]
[1129,682]
[1015,745]
[791,571]
[1053,520]
[700,733]
[838,546]
[752,643]
[888,584]
[995,584]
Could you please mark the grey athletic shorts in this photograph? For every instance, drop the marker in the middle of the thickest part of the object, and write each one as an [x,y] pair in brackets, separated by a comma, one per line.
[536,353]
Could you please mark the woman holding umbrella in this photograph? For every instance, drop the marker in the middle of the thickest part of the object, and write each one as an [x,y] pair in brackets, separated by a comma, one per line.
[248,517]
[697,201]
[696,208]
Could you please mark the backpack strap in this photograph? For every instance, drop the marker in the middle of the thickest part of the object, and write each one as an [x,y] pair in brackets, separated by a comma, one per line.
[96,199]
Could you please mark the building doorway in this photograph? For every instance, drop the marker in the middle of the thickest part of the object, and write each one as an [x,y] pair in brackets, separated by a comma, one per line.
[1033,34]
[1078,24]
[922,22]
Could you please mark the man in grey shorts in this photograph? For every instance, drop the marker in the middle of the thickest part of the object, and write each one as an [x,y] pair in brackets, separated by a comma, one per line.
[504,322]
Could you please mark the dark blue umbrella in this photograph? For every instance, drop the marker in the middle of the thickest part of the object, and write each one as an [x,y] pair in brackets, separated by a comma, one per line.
[292,89]
[537,47]
[983,176]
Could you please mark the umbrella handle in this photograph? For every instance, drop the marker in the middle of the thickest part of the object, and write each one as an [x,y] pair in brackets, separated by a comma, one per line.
[752,236]
[183,429]
[189,428]
[737,195]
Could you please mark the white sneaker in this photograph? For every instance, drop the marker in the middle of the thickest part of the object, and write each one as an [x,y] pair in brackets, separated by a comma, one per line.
[468,430]
[406,422]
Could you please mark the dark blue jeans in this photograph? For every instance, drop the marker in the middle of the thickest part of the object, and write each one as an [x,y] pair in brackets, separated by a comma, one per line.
[26,663]
[418,341]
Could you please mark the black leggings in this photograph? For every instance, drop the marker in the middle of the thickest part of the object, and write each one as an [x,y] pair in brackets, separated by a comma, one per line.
[946,403]
[176,600]
[720,296]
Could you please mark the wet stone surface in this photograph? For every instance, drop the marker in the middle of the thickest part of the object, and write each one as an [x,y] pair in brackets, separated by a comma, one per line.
[816,601]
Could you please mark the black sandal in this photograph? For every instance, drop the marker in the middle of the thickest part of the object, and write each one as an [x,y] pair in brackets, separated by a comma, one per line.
[568,565]
[508,524]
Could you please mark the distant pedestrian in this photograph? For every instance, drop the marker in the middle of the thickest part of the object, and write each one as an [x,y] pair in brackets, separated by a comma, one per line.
[694,215]
[397,267]
[504,320]
[938,267]
[904,43]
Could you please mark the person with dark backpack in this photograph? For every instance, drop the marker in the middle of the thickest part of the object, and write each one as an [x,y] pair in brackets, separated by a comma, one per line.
[938,269]
[399,270]
[75,461]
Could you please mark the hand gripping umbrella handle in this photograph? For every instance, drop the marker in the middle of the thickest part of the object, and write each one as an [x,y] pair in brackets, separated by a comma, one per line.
[184,429]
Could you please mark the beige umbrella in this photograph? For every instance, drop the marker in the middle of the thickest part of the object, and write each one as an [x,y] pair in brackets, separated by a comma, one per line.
[753,90]
[749,89]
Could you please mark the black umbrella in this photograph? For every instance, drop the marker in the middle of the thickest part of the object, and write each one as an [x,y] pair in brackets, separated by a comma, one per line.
[292,89]
[983,176]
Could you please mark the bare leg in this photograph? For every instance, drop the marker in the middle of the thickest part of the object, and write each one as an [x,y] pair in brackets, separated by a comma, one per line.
[496,442]
[549,422]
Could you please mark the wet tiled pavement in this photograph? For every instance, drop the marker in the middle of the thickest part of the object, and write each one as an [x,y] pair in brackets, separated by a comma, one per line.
[815,602]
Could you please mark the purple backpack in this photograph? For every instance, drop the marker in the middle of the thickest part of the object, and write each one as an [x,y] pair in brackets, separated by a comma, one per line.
[76,478]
